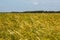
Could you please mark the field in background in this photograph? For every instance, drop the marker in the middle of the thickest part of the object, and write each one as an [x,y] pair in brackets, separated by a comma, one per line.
[30,26]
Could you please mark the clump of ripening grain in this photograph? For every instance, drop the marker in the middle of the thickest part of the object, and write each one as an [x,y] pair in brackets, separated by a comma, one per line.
[30,26]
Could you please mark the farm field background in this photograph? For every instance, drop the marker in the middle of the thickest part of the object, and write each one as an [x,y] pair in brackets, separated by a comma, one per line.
[29,26]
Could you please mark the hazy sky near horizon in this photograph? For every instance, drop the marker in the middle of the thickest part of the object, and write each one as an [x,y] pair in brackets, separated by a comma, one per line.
[29,5]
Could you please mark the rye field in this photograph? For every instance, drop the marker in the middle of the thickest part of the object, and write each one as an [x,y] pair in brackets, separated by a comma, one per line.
[29,26]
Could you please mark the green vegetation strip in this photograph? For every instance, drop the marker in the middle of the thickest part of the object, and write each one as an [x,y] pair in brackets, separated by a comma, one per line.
[30,26]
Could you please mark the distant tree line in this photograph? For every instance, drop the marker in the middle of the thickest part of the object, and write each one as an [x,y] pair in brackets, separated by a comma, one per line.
[38,12]
[42,12]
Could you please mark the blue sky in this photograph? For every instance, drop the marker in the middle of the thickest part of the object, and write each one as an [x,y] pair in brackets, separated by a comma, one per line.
[29,5]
